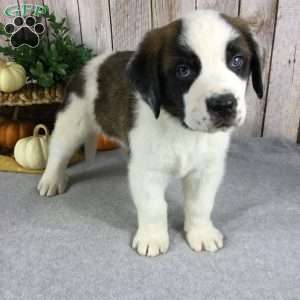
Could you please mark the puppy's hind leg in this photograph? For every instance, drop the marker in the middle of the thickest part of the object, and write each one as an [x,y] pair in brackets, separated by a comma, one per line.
[72,128]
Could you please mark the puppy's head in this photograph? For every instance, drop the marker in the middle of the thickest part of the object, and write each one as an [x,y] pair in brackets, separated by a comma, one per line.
[196,69]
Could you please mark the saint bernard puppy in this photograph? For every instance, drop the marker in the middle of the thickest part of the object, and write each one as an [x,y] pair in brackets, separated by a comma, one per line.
[173,103]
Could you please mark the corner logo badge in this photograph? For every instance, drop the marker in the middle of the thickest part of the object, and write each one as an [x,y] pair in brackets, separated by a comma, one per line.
[25,29]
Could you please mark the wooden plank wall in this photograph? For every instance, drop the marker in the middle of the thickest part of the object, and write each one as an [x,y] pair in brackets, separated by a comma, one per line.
[120,24]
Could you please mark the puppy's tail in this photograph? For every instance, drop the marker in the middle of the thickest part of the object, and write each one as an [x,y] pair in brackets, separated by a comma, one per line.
[90,145]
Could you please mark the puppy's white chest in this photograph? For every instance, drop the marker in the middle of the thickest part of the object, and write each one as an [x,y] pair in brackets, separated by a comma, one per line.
[190,154]
[164,145]
[186,162]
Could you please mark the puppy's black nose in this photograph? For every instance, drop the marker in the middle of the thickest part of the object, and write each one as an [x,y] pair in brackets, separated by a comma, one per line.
[222,105]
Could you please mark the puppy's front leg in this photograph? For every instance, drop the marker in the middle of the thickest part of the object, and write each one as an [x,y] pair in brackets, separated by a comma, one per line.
[147,188]
[200,189]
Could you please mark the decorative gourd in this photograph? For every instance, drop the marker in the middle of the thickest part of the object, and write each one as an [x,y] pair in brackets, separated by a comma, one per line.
[104,143]
[32,152]
[12,131]
[12,76]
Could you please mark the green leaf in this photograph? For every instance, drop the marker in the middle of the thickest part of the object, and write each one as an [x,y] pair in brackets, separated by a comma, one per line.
[34,72]
[39,67]
[46,80]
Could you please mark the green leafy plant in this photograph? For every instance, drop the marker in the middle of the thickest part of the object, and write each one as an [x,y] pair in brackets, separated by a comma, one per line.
[55,59]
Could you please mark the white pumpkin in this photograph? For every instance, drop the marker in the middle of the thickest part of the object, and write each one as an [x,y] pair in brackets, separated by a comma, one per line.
[12,76]
[32,152]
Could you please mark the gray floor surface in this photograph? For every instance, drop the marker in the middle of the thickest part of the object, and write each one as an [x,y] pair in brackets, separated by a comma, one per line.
[76,246]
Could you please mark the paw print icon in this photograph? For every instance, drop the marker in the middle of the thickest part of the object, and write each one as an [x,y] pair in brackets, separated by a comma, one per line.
[25,31]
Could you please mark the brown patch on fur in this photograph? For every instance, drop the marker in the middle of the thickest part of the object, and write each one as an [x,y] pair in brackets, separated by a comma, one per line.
[153,70]
[75,85]
[238,23]
[243,27]
[115,102]
[152,59]
[240,46]
[163,36]
[160,44]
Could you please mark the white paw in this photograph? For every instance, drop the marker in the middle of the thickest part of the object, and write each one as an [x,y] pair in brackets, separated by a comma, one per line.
[149,243]
[206,238]
[51,185]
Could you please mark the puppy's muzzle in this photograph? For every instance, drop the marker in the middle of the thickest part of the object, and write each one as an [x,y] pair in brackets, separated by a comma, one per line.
[222,109]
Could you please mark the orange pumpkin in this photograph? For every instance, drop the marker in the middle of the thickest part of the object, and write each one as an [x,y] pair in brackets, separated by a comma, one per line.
[12,131]
[104,143]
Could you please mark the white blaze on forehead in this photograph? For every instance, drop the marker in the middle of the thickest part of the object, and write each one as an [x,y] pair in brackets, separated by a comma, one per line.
[207,33]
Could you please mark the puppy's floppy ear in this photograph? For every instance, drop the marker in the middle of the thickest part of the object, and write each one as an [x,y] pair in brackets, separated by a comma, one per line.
[144,70]
[256,67]
[248,28]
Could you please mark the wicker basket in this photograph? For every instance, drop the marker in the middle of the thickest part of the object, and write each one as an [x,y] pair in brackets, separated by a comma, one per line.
[32,94]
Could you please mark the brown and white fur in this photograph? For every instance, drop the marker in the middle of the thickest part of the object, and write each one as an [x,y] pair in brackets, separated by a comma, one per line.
[173,103]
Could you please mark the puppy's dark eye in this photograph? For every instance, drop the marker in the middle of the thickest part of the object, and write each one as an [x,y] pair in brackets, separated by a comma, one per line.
[183,71]
[237,62]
